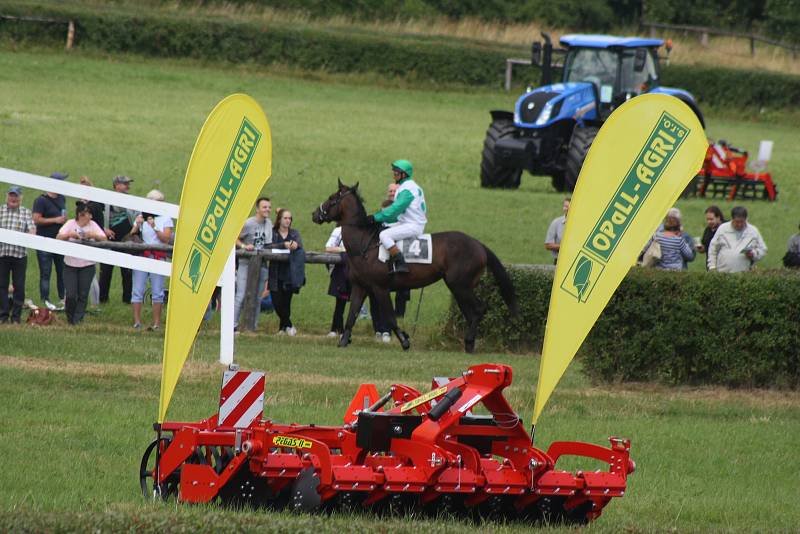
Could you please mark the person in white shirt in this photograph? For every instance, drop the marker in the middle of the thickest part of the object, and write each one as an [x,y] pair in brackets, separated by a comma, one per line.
[737,245]
[153,230]
[555,233]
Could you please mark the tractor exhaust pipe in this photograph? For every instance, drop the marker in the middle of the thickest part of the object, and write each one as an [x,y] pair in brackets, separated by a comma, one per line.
[547,60]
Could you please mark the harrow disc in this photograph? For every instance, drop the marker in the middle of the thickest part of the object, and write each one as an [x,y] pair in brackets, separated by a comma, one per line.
[304,491]
[151,490]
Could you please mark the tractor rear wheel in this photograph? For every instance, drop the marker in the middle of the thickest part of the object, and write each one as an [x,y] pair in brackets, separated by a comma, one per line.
[493,174]
[582,139]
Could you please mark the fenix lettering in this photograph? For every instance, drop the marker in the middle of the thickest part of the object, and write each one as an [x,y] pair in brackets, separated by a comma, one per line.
[232,174]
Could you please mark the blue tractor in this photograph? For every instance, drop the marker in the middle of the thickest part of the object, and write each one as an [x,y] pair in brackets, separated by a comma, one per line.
[553,126]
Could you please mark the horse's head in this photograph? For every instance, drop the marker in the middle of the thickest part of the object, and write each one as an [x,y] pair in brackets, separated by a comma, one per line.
[334,207]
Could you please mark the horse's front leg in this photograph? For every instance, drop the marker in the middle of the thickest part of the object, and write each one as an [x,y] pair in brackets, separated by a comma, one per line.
[357,294]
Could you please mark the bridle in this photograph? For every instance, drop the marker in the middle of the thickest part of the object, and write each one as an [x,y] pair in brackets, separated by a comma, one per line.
[323,211]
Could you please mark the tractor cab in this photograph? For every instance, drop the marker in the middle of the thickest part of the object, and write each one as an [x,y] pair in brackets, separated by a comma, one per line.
[623,69]
[553,126]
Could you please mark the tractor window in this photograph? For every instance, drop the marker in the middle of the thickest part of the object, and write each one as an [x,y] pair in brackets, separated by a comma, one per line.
[635,80]
[594,65]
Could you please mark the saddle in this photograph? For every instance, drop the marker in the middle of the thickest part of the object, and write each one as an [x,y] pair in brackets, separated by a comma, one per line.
[415,250]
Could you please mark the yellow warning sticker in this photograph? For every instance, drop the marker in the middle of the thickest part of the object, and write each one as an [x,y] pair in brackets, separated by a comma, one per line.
[422,399]
[292,442]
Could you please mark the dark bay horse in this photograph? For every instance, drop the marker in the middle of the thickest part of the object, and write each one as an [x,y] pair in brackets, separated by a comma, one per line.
[457,258]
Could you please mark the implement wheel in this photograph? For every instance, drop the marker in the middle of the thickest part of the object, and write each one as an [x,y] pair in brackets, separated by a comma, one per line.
[493,174]
[582,139]
[151,490]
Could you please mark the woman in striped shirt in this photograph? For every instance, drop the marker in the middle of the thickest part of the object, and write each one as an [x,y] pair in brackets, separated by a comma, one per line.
[675,249]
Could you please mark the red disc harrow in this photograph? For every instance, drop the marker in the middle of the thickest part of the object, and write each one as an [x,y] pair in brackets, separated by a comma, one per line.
[458,449]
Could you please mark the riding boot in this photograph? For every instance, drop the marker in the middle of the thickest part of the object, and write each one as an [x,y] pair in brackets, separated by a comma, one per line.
[398,264]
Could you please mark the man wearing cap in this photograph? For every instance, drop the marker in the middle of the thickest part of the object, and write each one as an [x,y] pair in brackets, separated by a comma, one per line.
[408,210]
[13,258]
[118,226]
[49,213]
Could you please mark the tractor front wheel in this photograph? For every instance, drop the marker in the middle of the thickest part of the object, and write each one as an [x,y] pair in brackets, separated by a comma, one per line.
[582,139]
[147,481]
[494,174]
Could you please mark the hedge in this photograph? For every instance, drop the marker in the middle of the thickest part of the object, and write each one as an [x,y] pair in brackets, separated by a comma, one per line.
[738,330]
[436,60]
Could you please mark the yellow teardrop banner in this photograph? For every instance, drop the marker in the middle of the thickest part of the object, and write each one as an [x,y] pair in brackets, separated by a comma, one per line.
[230,163]
[641,160]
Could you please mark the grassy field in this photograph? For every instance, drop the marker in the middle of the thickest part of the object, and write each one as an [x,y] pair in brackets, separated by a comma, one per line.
[77,404]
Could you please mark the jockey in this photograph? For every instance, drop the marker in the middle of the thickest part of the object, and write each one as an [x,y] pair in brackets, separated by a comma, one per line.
[408,210]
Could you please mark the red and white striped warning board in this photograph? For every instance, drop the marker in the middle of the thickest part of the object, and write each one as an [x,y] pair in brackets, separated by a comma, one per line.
[241,398]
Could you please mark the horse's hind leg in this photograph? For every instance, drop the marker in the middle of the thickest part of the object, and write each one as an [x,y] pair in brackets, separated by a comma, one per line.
[384,301]
[357,294]
[473,310]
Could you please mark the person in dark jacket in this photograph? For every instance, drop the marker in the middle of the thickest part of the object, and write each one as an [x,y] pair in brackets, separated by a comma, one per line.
[286,278]
[713,219]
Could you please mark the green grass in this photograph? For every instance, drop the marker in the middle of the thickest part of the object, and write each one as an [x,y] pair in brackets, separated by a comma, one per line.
[103,116]
[77,411]
[77,404]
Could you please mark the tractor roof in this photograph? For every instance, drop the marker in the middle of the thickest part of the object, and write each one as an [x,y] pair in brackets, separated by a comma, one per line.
[607,41]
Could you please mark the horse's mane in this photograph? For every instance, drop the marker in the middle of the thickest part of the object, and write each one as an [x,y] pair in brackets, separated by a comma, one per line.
[360,211]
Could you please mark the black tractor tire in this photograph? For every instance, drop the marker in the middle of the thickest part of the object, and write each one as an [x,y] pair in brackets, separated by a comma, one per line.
[582,139]
[492,173]
[557,179]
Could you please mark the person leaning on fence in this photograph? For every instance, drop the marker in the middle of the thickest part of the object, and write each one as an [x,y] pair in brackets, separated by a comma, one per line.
[118,223]
[676,249]
[49,213]
[256,235]
[154,230]
[792,257]
[737,245]
[78,272]
[97,209]
[13,258]
[286,277]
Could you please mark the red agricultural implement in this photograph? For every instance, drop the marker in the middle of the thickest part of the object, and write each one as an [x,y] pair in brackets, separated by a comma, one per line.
[724,174]
[459,449]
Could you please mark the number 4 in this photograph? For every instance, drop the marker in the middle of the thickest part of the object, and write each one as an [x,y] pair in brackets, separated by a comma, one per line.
[414,248]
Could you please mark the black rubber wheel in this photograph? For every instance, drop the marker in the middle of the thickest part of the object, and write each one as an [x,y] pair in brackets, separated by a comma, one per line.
[582,139]
[558,181]
[492,173]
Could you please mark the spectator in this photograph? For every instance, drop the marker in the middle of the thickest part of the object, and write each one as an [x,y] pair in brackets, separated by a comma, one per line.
[555,233]
[154,230]
[78,272]
[339,286]
[256,234]
[713,219]
[676,249]
[286,278]
[97,210]
[120,225]
[737,245]
[13,258]
[49,213]
[792,257]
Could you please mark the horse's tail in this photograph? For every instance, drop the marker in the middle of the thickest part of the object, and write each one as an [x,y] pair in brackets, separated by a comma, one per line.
[503,280]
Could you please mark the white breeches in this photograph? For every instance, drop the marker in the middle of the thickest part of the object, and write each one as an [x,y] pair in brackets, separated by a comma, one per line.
[398,232]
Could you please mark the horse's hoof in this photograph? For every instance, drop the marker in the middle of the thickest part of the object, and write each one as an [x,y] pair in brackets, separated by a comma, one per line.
[405,342]
[344,341]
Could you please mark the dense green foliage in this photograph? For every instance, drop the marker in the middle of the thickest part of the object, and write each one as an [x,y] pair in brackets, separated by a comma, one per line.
[416,59]
[677,328]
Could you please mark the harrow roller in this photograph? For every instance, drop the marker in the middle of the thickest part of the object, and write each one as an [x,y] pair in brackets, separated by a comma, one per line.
[401,451]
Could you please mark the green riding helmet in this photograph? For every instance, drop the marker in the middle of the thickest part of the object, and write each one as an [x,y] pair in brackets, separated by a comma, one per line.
[403,165]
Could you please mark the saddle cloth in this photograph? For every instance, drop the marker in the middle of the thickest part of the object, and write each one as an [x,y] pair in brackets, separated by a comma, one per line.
[419,250]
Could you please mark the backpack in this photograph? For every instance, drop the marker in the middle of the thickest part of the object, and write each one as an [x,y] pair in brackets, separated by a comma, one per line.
[791,260]
[40,317]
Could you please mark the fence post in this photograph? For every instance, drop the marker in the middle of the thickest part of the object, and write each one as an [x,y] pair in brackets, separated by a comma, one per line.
[70,35]
[509,66]
[704,39]
[226,313]
[752,46]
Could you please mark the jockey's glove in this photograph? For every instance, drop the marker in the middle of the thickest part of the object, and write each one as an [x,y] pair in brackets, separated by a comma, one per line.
[370,220]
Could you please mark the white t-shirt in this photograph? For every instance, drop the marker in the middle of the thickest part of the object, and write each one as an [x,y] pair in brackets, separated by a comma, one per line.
[149,235]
